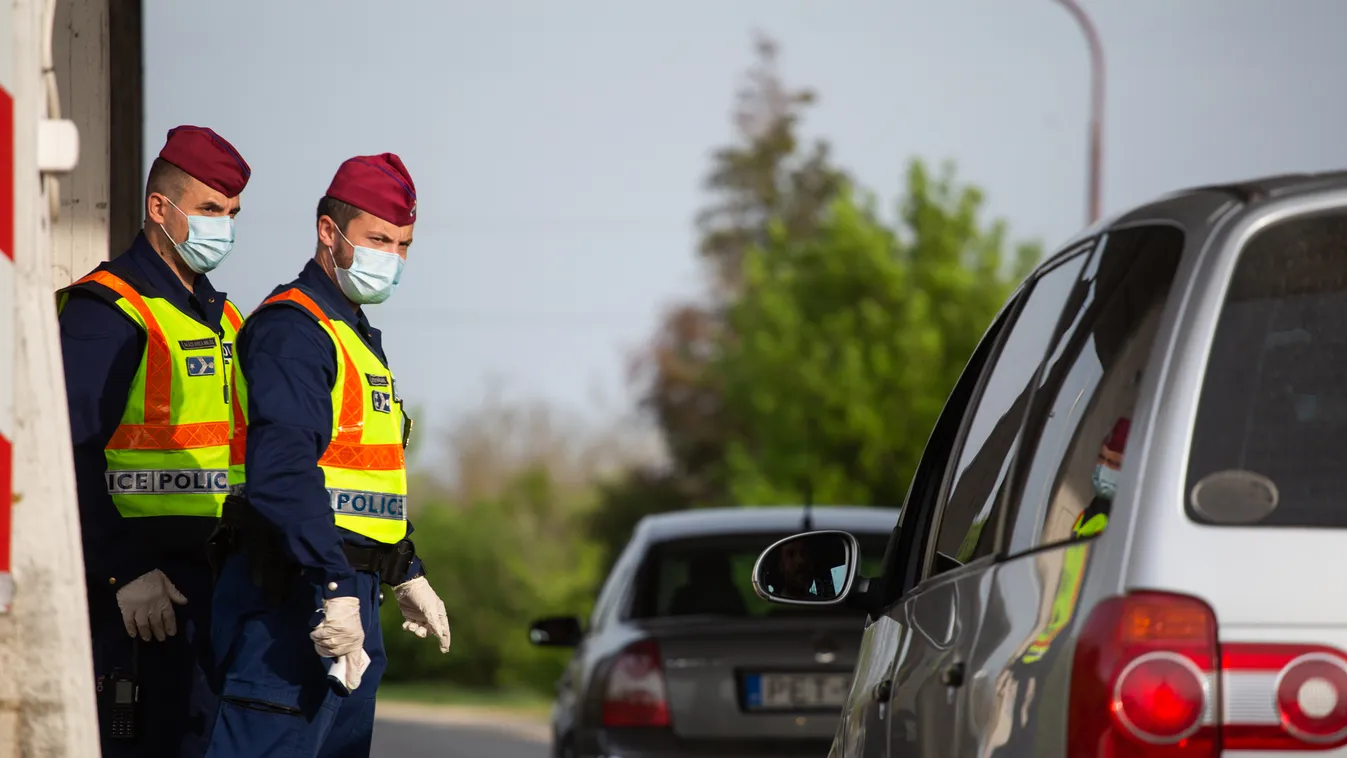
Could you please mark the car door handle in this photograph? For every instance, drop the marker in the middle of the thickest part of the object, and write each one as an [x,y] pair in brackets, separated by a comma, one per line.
[953,676]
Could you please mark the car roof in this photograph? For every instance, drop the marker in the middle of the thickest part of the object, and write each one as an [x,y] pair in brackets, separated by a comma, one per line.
[1280,185]
[785,519]
[1248,191]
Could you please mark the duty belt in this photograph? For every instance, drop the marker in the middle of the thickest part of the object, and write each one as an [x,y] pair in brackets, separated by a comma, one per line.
[242,529]
[390,562]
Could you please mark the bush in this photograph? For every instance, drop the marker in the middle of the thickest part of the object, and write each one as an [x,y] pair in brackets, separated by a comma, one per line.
[498,563]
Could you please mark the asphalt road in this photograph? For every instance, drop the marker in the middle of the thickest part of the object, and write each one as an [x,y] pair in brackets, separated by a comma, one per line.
[404,739]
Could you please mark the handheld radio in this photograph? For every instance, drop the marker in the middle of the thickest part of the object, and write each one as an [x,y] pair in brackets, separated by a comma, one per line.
[125,696]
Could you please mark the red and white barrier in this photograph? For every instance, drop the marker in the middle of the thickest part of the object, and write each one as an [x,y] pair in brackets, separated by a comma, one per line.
[8,305]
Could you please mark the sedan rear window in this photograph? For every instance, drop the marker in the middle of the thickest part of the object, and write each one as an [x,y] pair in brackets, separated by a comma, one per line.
[713,576]
[1268,444]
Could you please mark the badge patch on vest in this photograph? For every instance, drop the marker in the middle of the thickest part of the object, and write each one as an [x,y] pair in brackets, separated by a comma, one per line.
[375,380]
[205,344]
[375,504]
[170,481]
[201,365]
[228,350]
[383,402]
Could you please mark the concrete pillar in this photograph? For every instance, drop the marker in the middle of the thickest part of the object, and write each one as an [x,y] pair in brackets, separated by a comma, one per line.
[46,673]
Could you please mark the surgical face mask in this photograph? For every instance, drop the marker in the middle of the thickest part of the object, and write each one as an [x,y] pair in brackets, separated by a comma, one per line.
[1105,481]
[373,274]
[209,240]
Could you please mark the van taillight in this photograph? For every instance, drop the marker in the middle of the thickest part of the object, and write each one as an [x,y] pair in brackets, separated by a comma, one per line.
[637,694]
[1141,682]
[1283,697]
[1145,683]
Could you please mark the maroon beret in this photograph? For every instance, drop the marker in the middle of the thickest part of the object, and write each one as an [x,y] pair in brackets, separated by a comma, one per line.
[379,185]
[208,158]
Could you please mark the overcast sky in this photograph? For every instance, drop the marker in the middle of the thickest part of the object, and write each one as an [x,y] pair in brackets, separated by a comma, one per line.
[558,148]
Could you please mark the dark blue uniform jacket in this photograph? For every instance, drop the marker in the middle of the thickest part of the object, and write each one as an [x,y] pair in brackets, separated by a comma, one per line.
[290,365]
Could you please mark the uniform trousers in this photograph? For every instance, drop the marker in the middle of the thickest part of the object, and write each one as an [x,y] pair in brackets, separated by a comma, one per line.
[276,699]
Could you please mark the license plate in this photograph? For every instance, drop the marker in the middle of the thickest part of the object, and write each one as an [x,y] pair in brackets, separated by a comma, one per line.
[795,692]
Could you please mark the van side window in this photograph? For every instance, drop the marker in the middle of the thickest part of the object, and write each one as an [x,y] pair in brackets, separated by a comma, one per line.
[1082,409]
[993,432]
[903,560]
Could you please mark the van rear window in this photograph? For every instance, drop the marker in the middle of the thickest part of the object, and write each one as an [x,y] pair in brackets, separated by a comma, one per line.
[1269,444]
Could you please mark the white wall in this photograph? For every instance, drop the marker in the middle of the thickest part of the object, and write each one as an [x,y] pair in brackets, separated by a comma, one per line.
[80,50]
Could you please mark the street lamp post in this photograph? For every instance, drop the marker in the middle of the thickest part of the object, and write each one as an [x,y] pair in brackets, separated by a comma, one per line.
[1096,101]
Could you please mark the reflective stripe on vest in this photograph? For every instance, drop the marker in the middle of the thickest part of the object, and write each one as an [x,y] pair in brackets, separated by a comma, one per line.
[363,466]
[1068,585]
[170,451]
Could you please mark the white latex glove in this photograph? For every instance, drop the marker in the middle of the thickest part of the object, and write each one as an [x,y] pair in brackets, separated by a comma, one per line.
[147,606]
[341,631]
[348,669]
[423,610]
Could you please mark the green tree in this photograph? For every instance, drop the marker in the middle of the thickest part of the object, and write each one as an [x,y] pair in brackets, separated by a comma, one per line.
[767,174]
[498,563]
[503,532]
[827,340]
[623,501]
[849,338]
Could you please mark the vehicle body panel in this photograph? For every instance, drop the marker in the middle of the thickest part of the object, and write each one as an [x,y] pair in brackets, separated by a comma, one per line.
[1017,705]
[1261,582]
[936,639]
[705,663]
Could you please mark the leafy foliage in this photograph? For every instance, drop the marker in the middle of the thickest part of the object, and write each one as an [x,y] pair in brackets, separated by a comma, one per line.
[493,588]
[765,178]
[848,340]
[507,542]
[811,298]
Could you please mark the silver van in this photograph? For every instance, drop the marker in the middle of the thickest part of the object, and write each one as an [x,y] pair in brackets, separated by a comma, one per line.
[1127,535]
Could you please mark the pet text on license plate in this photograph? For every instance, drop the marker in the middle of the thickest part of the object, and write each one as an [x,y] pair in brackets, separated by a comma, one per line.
[795,692]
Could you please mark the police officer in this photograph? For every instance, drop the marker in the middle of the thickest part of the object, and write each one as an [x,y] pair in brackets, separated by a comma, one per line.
[318,521]
[147,341]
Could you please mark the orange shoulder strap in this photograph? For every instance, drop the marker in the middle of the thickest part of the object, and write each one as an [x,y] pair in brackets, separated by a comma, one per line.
[158,371]
[352,417]
[235,318]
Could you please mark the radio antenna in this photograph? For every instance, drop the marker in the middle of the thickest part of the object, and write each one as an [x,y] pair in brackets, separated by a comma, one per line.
[807,518]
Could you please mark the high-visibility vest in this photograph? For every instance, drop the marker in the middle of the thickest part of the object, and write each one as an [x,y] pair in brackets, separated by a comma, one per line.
[364,469]
[1068,585]
[170,452]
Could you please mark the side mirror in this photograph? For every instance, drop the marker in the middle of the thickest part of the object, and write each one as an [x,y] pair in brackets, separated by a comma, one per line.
[557,631]
[815,568]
